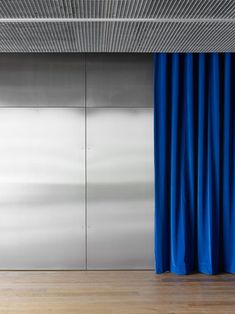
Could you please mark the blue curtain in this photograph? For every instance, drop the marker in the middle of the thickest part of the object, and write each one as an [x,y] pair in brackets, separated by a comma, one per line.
[194,132]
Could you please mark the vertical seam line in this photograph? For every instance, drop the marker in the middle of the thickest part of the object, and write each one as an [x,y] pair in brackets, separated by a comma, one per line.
[85,161]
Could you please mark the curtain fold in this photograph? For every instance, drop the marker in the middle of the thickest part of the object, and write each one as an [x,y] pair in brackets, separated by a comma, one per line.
[194,163]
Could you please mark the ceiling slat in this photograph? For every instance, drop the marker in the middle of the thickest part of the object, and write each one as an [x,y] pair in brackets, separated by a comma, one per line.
[117,25]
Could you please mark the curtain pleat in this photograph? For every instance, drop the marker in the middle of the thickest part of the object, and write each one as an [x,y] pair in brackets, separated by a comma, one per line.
[194,163]
[228,170]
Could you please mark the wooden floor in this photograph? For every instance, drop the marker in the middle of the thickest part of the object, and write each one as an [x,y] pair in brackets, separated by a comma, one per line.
[111,292]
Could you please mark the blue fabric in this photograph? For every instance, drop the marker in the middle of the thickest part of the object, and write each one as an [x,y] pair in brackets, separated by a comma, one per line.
[194,132]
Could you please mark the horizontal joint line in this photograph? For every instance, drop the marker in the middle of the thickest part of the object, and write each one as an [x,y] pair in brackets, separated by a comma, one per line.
[118,20]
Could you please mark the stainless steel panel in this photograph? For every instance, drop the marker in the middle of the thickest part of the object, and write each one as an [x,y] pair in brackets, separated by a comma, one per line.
[42,80]
[42,188]
[120,209]
[119,80]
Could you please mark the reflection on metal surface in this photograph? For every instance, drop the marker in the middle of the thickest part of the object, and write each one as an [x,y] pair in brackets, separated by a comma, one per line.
[120,188]
[34,80]
[123,80]
[42,184]
[42,161]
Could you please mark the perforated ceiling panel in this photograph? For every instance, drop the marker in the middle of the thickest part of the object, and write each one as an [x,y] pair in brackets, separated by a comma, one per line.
[117,25]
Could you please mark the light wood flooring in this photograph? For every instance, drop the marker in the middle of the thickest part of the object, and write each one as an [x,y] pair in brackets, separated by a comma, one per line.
[112,292]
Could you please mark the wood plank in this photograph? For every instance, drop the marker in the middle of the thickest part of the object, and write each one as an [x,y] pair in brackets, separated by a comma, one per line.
[114,292]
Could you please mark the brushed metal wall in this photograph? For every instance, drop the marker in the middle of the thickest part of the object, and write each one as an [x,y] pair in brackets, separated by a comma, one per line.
[42,184]
[120,188]
[120,210]
[76,183]
[119,80]
[42,80]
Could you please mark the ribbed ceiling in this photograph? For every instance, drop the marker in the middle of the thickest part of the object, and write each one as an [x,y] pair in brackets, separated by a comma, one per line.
[117,9]
[117,25]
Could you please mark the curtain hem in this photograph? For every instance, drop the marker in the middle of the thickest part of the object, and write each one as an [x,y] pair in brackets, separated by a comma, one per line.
[203,269]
